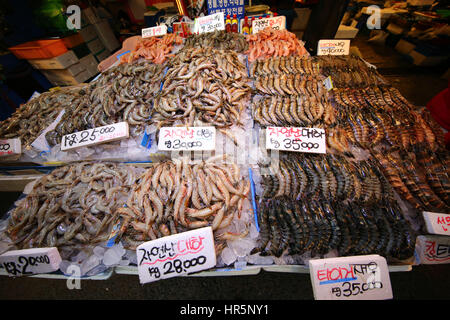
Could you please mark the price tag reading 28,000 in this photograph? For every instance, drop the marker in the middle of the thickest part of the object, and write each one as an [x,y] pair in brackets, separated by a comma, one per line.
[176,255]
[310,140]
[187,139]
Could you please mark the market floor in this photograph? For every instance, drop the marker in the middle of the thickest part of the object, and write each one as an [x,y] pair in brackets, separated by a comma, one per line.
[424,282]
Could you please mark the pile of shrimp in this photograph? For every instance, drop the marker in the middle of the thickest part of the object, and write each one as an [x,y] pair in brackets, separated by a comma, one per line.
[175,196]
[274,43]
[155,49]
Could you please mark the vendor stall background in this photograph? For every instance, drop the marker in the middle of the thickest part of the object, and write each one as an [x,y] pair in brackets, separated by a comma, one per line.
[417,66]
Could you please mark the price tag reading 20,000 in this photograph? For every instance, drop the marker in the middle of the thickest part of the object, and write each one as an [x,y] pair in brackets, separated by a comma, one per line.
[175,255]
[310,140]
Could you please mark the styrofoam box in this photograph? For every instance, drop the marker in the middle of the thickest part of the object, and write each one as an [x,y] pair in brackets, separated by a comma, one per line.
[394,29]
[103,55]
[90,15]
[90,64]
[106,35]
[76,68]
[60,62]
[95,46]
[404,46]
[346,32]
[420,59]
[88,33]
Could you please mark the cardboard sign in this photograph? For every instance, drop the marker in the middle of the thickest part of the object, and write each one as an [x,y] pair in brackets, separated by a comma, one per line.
[433,249]
[176,255]
[10,147]
[437,223]
[333,47]
[276,23]
[209,23]
[187,139]
[30,261]
[94,136]
[154,31]
[311,140]
[351,278]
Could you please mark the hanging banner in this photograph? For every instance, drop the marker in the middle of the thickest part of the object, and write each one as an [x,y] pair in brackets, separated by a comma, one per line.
[228,7]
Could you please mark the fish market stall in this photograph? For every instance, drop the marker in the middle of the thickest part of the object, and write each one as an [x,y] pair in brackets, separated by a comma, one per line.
[271,158]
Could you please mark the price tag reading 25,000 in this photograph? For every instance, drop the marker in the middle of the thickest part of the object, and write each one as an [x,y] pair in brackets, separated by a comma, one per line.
[94,136]
[310,140]
[187,139]
[175,255]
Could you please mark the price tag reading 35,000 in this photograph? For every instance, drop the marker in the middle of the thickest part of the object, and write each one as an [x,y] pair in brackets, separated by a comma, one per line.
[176,255]
[351,278]
[310,140]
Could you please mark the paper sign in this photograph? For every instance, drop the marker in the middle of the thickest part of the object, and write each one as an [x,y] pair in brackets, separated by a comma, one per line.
[437,223]
[350,278]
[30,261]
[276,23]
[176,255]
[209,23]
[310,140]
[94,136]
[433,249]
[10,147]
[154,31]
[333,47]
[190,138]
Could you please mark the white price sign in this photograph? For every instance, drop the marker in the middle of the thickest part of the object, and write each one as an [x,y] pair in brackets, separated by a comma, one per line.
[10,147]
[30,261]
[276,23]
[176,255]
[437,223]
[187,138]
[333,47]
[94,136]
[154,31]
[209,23]
[351,278]
[433,249]
[311,140]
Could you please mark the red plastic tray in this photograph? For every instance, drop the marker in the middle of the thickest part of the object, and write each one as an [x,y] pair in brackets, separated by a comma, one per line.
[39,49]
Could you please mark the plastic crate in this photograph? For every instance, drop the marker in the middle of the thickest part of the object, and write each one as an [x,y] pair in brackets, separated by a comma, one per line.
[39,49]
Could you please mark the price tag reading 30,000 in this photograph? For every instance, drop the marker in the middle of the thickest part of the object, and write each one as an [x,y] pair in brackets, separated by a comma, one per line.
[187,139]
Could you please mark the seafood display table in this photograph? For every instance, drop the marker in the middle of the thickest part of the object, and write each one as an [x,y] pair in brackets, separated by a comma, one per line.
[245,271]
[105,275]
[17,183]
[251,270]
